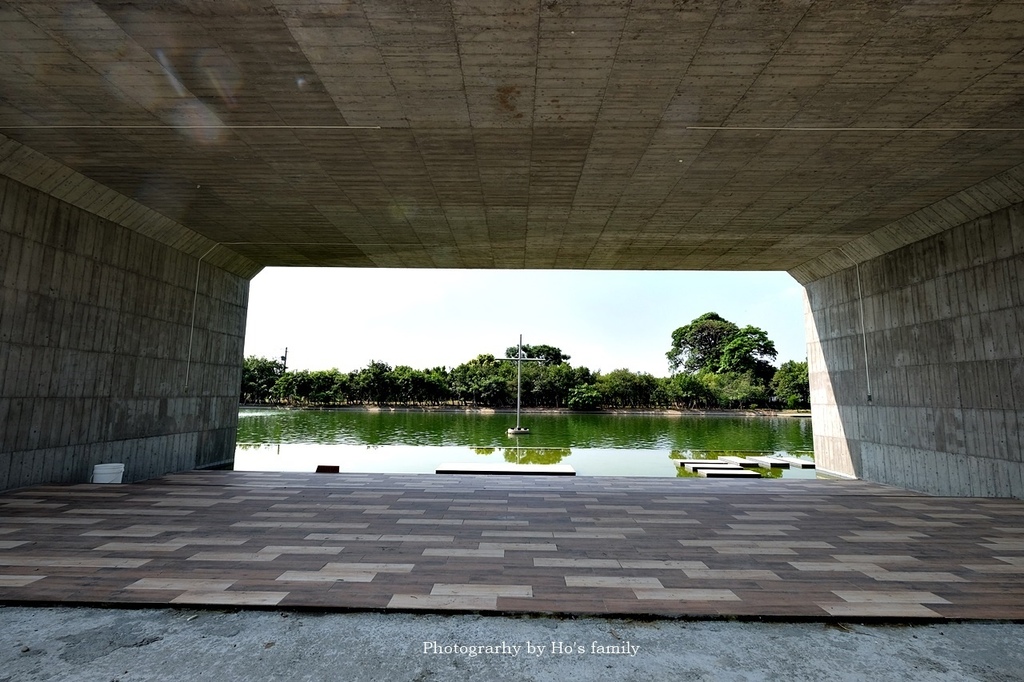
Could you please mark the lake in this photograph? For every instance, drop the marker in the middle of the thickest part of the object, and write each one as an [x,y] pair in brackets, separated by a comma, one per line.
[593,444]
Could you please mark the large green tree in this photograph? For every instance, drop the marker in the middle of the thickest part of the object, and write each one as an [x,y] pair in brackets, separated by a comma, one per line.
[711,343]
[749,351]
[698,346]
[732,364]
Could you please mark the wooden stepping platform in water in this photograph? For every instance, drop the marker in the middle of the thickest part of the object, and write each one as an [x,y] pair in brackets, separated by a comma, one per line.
[728,473]
[797,463]
[783,462]
[701,462]
[505,468]
[718,469]
[744,462]
[707,464]
[770,462]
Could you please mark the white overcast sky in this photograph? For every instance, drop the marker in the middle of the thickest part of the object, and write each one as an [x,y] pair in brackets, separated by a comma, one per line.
[344,318]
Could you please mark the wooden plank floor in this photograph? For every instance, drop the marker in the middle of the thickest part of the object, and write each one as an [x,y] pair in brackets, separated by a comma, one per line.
[618,546]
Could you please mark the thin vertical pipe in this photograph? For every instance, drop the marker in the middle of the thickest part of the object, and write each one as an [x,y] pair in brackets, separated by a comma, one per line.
[863,335]
[195,301]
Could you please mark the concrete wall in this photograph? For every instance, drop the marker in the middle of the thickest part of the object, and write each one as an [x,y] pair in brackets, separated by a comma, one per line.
[943,320]
[95,325]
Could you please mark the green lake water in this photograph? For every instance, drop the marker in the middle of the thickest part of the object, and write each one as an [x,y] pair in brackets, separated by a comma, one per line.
[593,444]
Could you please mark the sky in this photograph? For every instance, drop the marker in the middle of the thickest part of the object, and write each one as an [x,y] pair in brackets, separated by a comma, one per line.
[604,320]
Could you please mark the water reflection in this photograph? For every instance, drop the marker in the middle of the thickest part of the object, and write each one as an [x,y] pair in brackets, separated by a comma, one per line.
[595,445]
[521,455]
[647,432]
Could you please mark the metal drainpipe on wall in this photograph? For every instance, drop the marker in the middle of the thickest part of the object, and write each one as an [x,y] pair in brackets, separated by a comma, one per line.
[195,301]
[863,330]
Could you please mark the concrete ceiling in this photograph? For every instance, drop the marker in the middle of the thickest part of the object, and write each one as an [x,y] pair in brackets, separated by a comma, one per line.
[609,134]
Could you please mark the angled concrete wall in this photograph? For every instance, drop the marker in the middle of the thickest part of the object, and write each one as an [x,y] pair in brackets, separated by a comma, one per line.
[96,322]
[941,349]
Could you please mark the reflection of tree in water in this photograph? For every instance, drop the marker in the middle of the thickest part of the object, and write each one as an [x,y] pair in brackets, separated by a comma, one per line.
[633,431]
[693,454]
[518,455]
[715,454]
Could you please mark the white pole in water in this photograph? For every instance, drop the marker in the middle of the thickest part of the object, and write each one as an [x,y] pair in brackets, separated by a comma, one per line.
[519,360]
[519,378]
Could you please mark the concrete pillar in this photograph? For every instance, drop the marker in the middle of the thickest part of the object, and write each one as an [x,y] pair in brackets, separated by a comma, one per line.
[96,326]
[940,351]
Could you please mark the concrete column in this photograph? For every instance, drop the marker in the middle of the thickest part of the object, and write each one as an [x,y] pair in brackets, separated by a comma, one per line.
[939,350]
[96,327]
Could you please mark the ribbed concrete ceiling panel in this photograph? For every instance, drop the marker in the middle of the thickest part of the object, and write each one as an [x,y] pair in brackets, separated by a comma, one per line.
[630,134]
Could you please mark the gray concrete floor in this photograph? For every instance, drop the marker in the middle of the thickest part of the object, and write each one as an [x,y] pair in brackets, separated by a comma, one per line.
[62,643]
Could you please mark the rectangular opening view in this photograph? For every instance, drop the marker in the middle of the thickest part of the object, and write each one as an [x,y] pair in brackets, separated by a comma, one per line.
[619,373]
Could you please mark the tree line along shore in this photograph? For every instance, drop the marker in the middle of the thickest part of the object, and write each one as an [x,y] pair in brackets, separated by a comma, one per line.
[715,365]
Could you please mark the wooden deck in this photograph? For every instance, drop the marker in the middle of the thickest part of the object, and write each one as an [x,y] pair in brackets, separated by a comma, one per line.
[787,549]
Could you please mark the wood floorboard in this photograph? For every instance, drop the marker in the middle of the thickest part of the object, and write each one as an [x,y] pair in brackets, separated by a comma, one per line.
[618,546]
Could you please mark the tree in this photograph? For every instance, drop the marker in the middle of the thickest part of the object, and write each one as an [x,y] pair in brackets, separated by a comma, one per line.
[791,385]
[484,381]
[553,383]
[323,387]
[549,355]
[258,378]
[699,345]
[736,389]
[748,351]
[622,388]
[584,397]
[376,383]
[436,385]
[407,384]
[713,344]
[312,387]
[688,390]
